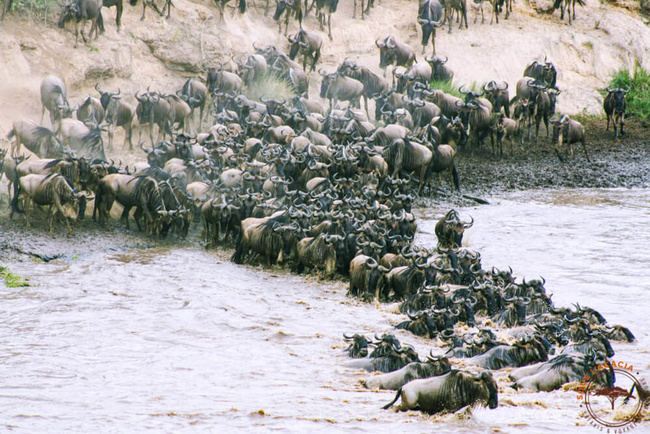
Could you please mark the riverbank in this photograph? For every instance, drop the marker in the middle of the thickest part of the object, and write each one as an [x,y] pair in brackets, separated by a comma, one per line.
[535,166]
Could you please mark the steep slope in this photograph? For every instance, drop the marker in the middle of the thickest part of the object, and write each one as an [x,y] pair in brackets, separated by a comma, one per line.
[162,53]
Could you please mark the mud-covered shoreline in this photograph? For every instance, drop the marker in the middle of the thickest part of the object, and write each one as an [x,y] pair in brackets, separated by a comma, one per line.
[535,166]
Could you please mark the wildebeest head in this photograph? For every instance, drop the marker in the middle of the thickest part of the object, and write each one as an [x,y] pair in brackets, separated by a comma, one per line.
[450,228]
[146,102]
[428,28]
[297,43]
[387,51]
[327,82]
[518,307]
[359,346]
[552,96]
[490,383]
[69,12]
[281,6]
[616,98]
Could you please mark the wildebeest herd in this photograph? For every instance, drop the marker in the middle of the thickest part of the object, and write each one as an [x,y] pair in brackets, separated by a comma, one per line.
[293,181]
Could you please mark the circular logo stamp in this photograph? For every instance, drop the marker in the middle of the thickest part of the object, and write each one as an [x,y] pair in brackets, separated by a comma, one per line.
[613,407]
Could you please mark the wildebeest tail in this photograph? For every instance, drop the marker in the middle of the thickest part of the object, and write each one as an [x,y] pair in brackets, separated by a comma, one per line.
[390,404]
[333,6]
[557,4]
[100,23]
[11,134]
[242,6]
[133,2]
[454,174]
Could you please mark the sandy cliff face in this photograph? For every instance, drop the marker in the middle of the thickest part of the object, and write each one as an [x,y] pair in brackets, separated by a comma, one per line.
[163,53]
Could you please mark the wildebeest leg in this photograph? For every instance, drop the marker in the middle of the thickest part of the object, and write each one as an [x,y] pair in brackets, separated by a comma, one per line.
[125,217]
[622,122]
[584,146]
[329,26]
[59,209]
[118,16]
[144,8]
[76,40]
[25,204]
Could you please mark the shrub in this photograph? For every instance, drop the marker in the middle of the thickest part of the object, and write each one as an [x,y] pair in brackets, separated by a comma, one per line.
[38,9]
[451,87]
[638,81]
[270,86]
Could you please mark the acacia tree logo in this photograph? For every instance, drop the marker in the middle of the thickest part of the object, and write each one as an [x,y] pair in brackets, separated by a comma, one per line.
[623,404]
[612,393]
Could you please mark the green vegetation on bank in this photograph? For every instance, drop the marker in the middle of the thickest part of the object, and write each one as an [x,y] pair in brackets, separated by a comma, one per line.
[638,81]
[38,9]
[452,88]
[12,280]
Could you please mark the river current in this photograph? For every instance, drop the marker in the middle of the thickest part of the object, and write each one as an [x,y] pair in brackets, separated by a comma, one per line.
[182,340]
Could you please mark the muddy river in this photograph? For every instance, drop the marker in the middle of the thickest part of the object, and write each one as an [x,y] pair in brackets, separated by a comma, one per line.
[180,339]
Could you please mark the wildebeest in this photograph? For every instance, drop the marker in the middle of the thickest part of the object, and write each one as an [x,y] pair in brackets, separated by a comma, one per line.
[53,98]
[565,368]
[393,52]
[448,393]
[359,346]
[543,72]
[308,44]
[319,252]
[404,155]
[130,191]
[336,87]
[499,96]
[615,106]
[441,160]
[288,7]
[449,230]
[153,109]
[91,110]
[53,190]
[119,113]
[522,353]
[324,11]
[365,277]
[195,94]
[460,6]
[83,138]
[430,17]
[441,72]
[119,5]
[219,80]
[39,140]
[568,5]
[152,4]
[81,10]
[271,237]
[433,367]
[572,132]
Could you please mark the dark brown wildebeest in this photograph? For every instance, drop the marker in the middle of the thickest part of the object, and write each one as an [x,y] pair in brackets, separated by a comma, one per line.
[81,10]
[448,393]
[615,106]
[51,190]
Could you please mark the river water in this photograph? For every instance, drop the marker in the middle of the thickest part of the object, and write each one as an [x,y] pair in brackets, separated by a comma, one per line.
[180,339]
